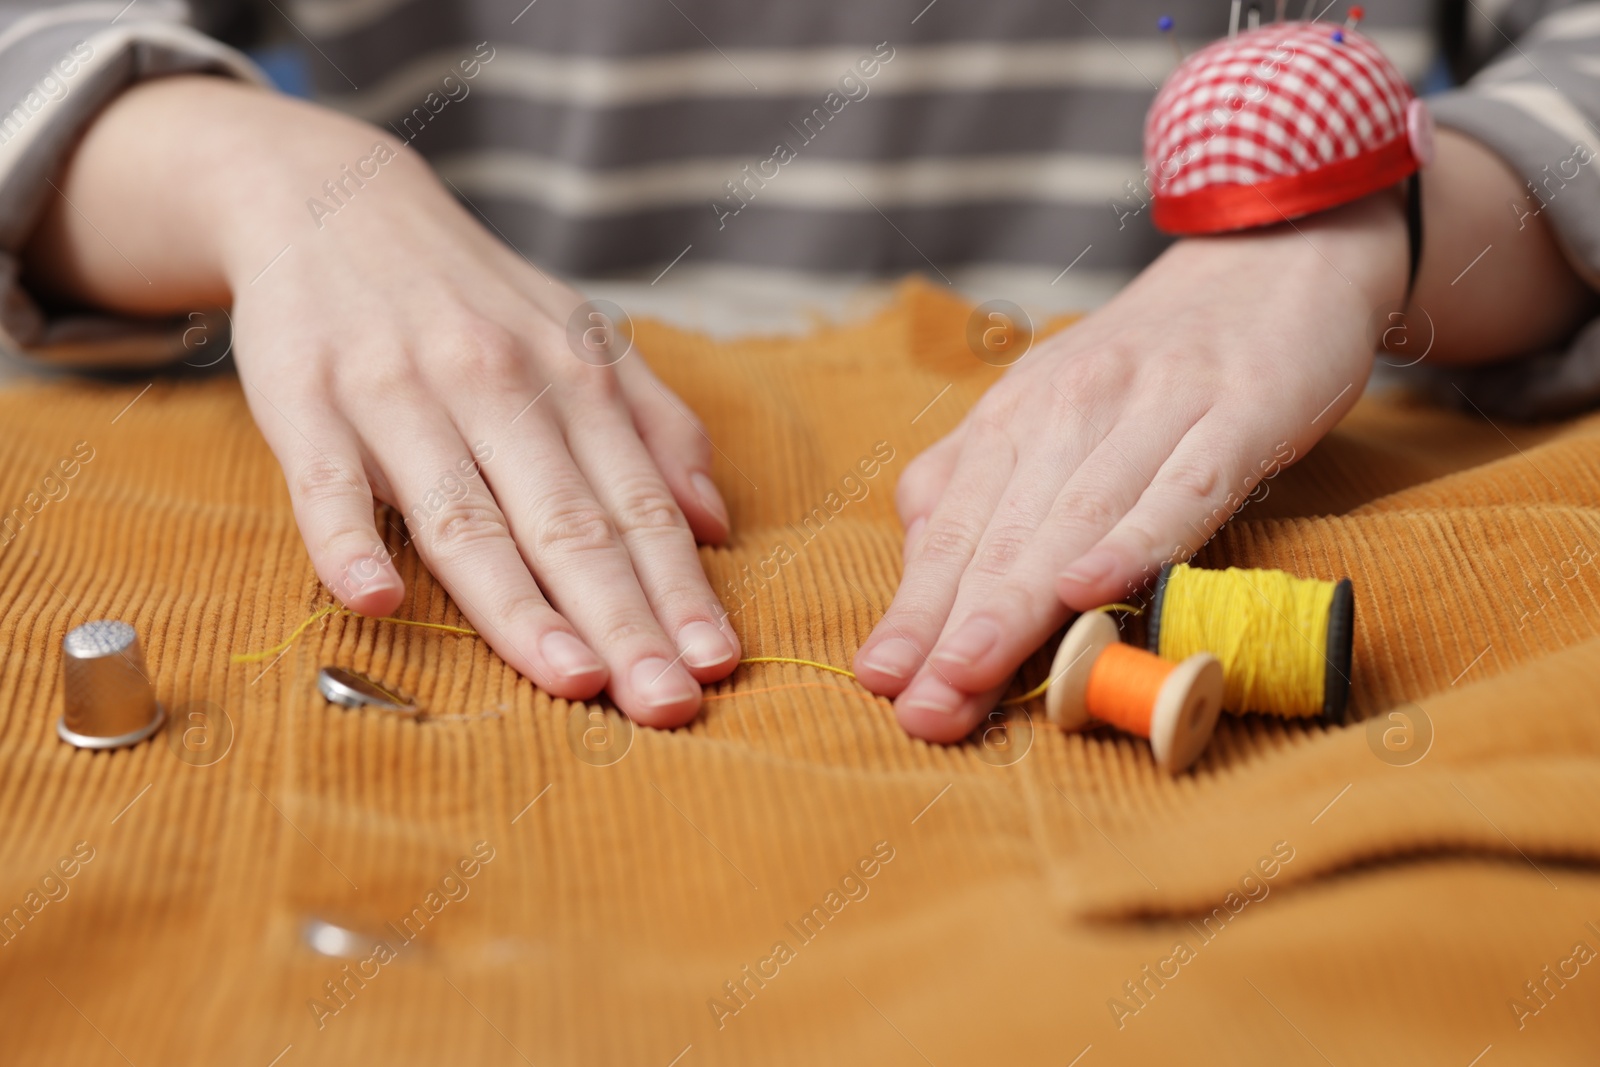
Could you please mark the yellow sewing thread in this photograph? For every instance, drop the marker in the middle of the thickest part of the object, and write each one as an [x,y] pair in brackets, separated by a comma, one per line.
[799,662]
[1269,629]
[1032,694]
[334,610]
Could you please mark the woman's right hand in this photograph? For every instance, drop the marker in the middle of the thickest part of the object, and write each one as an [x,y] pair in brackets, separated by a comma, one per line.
[394,350]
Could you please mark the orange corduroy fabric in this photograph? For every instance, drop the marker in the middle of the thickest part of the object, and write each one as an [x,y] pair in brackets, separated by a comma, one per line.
[1027,897]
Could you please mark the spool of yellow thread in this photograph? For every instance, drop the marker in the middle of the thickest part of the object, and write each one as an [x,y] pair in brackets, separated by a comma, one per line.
[1284,642]
[1097,677]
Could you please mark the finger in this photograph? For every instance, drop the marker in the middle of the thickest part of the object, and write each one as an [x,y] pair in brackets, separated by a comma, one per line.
[1196,490]
[332,500]
[923,481]
[1007,606]
[463,536]
[897,646]
[657,539]
[678,444]
[934,711]
[573,546]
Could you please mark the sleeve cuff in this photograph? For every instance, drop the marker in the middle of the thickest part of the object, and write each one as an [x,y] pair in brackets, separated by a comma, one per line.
[58,68]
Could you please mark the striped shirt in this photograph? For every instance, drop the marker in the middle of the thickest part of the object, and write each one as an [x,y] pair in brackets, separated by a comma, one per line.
[833,139]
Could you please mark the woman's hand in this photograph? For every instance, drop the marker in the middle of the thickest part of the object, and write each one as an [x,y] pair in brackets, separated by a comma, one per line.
[392,349]
[1121,443]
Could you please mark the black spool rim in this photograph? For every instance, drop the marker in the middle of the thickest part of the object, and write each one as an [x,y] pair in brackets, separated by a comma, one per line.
[1152,639]
[1341,641]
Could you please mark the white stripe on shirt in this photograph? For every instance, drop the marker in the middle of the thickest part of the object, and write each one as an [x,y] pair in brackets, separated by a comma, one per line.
[1548,108]
[1062,178]
[330,18]
[1575,22]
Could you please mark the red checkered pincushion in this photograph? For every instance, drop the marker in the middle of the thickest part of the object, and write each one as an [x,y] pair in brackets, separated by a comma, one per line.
[1276,123]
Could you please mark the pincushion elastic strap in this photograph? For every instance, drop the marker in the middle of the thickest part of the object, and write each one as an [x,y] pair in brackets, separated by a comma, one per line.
[1413,230]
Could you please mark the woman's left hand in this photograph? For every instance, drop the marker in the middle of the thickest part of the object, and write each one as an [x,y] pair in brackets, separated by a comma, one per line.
[1122,443]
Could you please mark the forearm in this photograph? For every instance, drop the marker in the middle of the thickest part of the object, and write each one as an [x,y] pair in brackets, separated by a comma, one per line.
[1493,282]
[148,219]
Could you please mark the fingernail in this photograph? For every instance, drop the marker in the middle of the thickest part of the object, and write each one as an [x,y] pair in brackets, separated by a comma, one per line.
[912,533]
[386,578]
[376,588]
[703,645]
[895,657]
[968,644]
[568,655]
[1089,569]
[930,694]
[661,684]
[706,490]
[366,575]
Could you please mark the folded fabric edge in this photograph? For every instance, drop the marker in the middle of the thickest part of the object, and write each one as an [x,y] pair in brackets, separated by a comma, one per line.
[1342,801]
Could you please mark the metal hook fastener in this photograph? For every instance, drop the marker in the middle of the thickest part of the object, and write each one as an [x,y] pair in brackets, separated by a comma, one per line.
[352,690]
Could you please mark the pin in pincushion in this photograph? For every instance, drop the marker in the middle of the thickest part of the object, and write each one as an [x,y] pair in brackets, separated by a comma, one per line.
[1276,123]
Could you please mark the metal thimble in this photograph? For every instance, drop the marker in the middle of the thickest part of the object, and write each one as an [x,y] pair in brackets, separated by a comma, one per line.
[110,701]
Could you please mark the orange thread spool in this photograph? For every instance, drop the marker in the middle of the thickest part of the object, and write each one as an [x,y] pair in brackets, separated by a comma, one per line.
[1096,676]
[1123,685]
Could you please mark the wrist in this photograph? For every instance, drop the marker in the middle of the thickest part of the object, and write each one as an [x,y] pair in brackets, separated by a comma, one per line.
[269,161]
[1358,250]
[1367,241]
[244,163]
